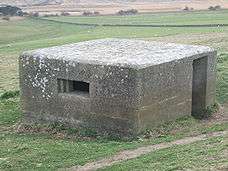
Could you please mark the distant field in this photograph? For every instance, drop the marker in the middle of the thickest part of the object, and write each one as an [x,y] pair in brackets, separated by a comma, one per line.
[179,18]
[52,150]
[77,7]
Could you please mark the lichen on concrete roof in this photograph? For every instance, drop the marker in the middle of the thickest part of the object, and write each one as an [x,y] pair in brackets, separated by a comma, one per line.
[120,52]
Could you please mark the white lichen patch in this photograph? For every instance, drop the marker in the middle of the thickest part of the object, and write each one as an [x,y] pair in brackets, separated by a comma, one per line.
[41,77]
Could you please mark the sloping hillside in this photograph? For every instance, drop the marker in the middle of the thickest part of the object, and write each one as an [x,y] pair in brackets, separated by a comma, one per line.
[31,2]
[51,2]
[77,7]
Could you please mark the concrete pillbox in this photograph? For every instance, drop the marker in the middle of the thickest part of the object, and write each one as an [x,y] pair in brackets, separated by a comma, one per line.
[116,86]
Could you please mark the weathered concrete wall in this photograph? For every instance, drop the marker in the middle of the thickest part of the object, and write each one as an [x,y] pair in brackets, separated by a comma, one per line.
[199,83]
[110,105]
[167,90]
[211,78]
[133,85]
[166,93]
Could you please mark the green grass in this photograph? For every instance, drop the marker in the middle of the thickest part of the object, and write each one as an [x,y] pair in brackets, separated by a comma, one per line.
[204,155]
[39,152]
[30,29]
[197,17]
[27,34]
[222,81]
[9,94]
[60,33]
[45,151]
[10,112]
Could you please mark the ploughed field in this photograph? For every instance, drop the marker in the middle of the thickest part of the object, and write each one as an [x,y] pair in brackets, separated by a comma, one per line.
[58,147]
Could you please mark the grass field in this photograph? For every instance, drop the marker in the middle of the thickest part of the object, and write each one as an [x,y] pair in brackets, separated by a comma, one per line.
[181,18]
[57,149]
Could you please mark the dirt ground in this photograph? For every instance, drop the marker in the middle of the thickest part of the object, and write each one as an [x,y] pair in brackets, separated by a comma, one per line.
[76,8]
[15,18]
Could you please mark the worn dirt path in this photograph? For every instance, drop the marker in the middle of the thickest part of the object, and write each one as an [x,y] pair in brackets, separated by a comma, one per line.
[130,154]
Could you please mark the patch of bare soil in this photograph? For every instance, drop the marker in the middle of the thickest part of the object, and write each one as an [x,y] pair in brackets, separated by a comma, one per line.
[130,154]
[54,131]
[15,18]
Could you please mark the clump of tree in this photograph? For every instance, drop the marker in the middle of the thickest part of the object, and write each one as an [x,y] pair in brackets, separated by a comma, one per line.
[65,13]
[25,14]
[90,13]
[214,8]
[87,13]
[128,12]
[34,14]
[51,15]
[8,10]
[188,9]
[96,13]
[6,18]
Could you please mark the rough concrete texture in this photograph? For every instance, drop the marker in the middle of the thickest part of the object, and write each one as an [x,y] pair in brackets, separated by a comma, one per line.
[116,86]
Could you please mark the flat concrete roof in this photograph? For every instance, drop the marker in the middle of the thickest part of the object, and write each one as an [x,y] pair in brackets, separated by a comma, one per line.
[120,52]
